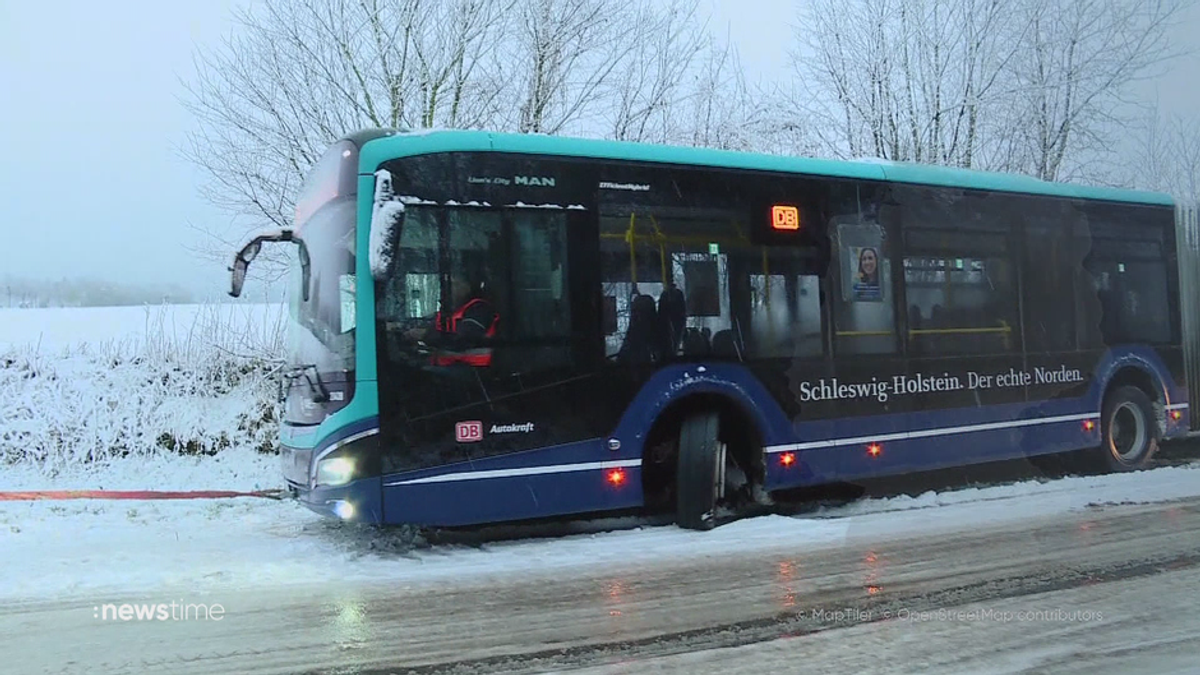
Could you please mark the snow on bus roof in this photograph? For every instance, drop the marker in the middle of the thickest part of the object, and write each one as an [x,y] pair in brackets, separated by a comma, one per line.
[404,144]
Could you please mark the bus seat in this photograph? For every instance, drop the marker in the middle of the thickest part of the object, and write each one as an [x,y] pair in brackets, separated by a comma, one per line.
[725,345]
[672,313]
[695,344]
[641,338]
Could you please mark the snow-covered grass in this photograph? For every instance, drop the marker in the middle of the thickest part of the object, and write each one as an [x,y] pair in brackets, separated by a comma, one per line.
[80,388]
[239,468]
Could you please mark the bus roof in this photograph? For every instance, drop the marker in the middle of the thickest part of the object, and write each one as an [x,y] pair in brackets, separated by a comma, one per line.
[382,145]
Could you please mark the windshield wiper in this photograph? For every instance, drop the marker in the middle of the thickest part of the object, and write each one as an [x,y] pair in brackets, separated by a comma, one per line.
[320,394]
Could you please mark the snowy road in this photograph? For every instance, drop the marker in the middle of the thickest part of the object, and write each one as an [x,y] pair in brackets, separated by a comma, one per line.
[1060,590]
[1147,627]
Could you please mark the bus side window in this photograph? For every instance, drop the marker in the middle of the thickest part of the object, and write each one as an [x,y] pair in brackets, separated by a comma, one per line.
[1051,258]
[538,322]
[785,310]
[665,285]
[1130,278]
[961,293]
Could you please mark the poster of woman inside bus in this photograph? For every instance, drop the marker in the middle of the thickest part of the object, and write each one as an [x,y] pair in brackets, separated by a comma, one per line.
[866,278]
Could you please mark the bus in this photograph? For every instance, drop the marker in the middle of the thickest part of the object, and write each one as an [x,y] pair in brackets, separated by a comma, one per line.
[693,331]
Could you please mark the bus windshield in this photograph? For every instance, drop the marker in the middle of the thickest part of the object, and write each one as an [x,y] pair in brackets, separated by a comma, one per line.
[322,333]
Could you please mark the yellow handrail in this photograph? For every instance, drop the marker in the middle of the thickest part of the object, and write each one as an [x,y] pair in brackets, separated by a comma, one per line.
[677,239]
[662,249]
[948,331]
[631,237]
[924,331]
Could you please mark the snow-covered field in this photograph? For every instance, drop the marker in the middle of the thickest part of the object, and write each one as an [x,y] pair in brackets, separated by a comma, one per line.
[80,387]
[52,329]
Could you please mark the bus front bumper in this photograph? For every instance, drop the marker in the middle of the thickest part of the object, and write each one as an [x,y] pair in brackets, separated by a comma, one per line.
[357,501]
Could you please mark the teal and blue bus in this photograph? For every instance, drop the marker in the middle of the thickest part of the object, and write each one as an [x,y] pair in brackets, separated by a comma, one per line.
[693,331]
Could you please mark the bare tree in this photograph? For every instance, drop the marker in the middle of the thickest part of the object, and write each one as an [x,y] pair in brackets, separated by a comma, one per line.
[560,56]
[457,83]
[1032,86]
[1080,58]
[724,112]
[1185,183]
[683,85]
[904,79]
[650,87]
[1167,157]
[297,74]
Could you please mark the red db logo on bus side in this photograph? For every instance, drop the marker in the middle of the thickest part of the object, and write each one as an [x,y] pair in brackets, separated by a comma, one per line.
[468,432]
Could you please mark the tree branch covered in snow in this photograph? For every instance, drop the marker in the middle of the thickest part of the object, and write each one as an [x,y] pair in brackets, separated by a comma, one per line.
[652,86]
[1167,157]
[1034,86]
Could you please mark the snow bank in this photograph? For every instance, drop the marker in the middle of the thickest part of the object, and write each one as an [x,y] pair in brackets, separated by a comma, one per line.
[193,380]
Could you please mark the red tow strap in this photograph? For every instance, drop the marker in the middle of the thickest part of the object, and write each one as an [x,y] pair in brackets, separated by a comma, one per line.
[37,495]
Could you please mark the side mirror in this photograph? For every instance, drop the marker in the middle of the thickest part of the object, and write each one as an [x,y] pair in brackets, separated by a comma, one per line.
[305,270]
[239,277]
[387,221]
[241,264]
[390,222]
[241,261]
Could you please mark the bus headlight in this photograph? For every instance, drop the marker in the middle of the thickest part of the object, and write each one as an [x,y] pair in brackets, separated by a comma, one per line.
[343,509]
[335,471]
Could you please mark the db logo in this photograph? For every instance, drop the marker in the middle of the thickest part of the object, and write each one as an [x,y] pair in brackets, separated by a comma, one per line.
[468,432]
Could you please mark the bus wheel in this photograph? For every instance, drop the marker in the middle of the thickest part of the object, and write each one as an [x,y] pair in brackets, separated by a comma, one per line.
[700,479]
[1129,435]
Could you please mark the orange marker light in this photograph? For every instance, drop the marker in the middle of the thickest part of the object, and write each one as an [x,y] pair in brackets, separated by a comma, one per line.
[616,477]
[785,217]
[1088,425]
[787,459]
[874,449]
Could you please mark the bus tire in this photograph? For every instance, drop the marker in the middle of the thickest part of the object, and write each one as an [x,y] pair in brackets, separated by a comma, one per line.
[699,478]
[1129,432]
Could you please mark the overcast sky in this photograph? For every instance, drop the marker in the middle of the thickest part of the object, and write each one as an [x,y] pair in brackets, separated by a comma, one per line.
[90,121]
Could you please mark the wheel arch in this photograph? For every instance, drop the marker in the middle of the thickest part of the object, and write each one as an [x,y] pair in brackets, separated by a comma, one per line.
[730,408]
[1135,373]
[744,426]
